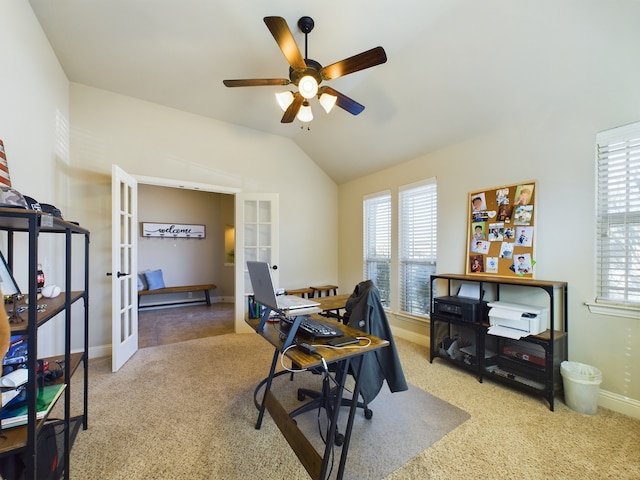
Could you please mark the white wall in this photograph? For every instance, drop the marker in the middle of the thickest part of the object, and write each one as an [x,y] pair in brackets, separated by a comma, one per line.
[557,150]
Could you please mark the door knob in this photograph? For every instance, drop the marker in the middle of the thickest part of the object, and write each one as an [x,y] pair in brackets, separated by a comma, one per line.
[119,274]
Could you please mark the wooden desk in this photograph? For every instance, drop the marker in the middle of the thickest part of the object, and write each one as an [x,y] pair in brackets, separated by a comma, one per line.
[315,464]
[332,305]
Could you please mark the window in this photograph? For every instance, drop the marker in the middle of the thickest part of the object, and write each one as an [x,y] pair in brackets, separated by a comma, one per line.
[377,242]
[618,215]
[418,238]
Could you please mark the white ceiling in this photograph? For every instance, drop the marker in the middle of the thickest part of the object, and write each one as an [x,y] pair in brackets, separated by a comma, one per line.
[455,69]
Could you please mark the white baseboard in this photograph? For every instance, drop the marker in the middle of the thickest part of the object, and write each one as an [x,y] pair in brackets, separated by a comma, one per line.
[100,351]
[619,403]
[414,337]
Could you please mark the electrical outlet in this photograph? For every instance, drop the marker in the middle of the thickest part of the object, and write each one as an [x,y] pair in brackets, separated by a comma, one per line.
[189,294]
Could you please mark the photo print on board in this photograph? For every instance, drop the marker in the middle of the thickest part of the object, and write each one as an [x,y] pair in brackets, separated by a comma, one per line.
[524,236]
[506,250]
[478,231]
[492,265]
[502,197]
[524,195]
[478,203]
[496,232]
[522,264]
[509,233]
[480,246]
[476,263]
[523,215]
[504,213]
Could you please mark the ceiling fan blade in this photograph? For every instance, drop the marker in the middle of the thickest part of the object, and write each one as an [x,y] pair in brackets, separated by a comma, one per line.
[343,101]
[363,60]
[292,110]
[256,82]
[281,32]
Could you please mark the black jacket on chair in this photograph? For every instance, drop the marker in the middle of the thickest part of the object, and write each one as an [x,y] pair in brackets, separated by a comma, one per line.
[364,311]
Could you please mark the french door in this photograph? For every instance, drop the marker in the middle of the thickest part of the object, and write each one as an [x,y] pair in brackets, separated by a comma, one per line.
[124,262]
[256,239]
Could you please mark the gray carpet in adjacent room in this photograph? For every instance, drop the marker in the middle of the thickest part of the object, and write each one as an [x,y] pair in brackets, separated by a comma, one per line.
[186,410]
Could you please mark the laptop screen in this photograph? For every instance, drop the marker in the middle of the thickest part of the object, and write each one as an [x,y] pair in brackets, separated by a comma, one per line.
[263,290]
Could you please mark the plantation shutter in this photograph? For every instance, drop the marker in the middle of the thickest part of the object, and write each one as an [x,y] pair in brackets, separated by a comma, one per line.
[418,245]
[377,242]
[618,215]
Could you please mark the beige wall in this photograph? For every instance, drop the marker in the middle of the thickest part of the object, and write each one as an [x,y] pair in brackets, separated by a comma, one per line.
[185,261]
[34,125]
[556,150]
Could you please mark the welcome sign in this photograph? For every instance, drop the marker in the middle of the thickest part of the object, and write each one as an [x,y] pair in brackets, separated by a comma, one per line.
[172,230]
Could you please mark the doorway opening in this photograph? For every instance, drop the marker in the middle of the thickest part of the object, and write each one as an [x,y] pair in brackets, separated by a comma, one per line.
[187,261]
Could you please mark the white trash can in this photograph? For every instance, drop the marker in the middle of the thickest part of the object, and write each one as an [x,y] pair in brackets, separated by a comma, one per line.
[581,386]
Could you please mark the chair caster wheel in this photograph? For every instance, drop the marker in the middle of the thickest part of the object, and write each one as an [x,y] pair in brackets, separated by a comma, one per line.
[339,439]
[301,396]
[368,413]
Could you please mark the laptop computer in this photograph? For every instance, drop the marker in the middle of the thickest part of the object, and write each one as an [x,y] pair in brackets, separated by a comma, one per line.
[265,294]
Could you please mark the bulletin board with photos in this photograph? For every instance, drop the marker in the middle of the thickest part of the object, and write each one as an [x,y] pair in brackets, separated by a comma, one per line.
[501,233]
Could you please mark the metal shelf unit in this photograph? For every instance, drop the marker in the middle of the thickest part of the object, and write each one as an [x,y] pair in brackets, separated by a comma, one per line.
[33,226]
[490,359]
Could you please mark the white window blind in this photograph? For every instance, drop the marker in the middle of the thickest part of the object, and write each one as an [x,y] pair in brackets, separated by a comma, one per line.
[618,215]
[418,245]
[377,242]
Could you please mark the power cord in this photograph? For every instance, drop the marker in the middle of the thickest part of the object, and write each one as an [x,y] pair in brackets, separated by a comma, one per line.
[352,345]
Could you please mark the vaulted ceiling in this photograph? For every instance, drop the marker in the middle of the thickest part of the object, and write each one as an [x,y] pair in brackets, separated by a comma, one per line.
[455,69]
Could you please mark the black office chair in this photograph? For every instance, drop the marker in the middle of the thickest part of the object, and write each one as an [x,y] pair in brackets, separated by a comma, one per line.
[365,312]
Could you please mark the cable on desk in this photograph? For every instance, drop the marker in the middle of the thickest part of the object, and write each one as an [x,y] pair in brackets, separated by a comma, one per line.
[292,370]
[352,345]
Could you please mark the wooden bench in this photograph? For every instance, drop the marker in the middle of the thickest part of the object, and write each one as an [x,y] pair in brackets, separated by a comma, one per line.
[188,288]
[324,288]
[300,291]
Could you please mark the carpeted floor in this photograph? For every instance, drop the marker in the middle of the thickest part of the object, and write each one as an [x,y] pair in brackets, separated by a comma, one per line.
[187,322]
[185,410]
[197,421]
[403,425]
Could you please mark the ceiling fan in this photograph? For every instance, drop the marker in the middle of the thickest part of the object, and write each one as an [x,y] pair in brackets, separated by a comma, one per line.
[307,74]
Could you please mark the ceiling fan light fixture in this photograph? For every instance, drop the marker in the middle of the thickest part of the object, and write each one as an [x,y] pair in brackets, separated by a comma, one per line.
[305,114]
[327,101]
[284,99]
[306,74]
[308,87]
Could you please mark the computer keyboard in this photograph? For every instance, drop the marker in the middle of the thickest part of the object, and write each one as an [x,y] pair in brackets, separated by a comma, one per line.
[312,328]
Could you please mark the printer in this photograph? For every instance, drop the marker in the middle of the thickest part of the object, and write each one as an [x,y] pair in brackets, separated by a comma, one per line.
[513,320]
